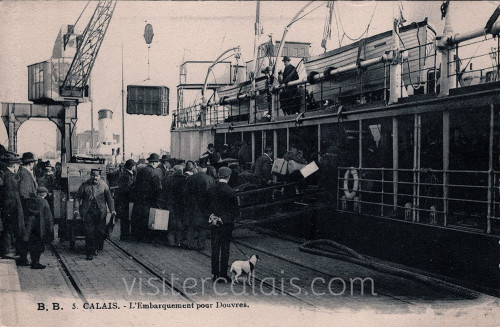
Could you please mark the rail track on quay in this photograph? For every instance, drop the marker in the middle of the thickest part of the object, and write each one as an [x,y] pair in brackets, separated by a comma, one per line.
[73,273]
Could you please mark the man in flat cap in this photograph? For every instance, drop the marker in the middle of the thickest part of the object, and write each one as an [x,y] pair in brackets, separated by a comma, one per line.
[224,210]
[145,195]
[90,203]
[290,97]
[123,197]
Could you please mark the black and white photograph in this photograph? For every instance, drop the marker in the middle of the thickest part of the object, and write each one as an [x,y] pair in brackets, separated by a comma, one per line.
[249,163]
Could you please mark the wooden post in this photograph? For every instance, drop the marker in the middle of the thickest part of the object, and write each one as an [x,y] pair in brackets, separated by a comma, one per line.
[253,146]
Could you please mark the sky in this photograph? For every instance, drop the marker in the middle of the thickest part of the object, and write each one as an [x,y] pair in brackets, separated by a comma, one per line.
[185,29]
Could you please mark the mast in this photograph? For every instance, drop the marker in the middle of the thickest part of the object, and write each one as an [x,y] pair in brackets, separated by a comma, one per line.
[255,59]
[123,113]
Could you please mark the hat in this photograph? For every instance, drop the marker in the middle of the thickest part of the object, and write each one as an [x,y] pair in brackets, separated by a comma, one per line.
[224,172]
[266,70]
[10,157]
[41,189]
[165,158]
[153,157]
[210,145]
[203,163]
[47,164]
[286,58]
[95,172]
[28,157]
[129,164]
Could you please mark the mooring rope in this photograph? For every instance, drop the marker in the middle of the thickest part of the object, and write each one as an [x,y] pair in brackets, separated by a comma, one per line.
[354,257]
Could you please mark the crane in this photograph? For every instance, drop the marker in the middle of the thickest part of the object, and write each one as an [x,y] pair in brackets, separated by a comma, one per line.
[87,49]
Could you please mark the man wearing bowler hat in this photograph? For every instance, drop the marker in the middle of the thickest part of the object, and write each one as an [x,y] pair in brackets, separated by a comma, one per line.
[290,99]
[145,195]
[27,192]
[165,167]
[11,207]
[90,203]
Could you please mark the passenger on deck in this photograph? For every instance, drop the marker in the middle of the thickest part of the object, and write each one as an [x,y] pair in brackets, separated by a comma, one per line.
[90,204]
[210,155]
[145,194]
[223,211]
[264,165]
[123,197]
[290,97]
[244,154]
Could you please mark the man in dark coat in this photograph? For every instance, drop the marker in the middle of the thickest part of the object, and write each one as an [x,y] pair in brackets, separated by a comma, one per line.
[210,157]
[123,197]
[91,203]
[197,196]
[165,167]
[176,204]
[145,195]
[11,207]
[223,211]
[27,193]
[264,165]
[290,99]
[39,226]
[27,182]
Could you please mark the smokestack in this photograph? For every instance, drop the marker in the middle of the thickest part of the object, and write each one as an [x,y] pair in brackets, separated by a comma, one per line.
[105,133]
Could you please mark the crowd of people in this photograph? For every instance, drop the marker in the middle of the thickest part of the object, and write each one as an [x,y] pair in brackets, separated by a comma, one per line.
[199,195]
[26,219]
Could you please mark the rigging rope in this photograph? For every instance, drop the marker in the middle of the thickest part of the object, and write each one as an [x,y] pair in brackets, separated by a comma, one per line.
[327,30]
[366,30]
[307,13]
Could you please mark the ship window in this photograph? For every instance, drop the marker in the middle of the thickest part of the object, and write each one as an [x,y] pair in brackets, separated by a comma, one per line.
[431,144]
[469,155]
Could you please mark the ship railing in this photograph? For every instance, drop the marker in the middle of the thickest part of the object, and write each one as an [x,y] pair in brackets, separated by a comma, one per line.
[188,116]
[457,199]
[274,198]
[418,72]
[475,61]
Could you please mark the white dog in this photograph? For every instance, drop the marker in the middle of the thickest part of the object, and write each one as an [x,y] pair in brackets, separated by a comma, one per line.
[243,268]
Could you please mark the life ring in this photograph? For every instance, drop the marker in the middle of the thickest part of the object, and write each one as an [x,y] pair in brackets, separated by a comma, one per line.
[351,194]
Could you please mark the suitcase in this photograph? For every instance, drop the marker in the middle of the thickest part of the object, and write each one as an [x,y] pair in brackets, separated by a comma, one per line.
[158,219]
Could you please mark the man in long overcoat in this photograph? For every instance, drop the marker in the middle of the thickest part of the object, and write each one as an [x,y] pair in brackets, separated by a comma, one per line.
[90,203]
[11,207]
[224,208]
[176,204]
[27,192]
[123,197]
[197,196]
[39,226]
[145,195]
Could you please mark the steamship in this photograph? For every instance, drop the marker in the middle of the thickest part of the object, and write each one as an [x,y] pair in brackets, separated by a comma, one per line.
[411,117]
